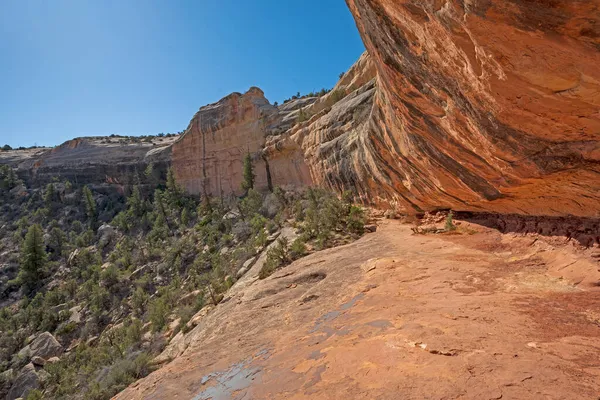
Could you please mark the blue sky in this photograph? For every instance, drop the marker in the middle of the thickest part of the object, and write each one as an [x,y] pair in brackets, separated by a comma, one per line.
[73,68]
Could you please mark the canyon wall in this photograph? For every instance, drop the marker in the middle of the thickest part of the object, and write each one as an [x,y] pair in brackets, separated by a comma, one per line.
[482,105]
[471,105]
[116,161]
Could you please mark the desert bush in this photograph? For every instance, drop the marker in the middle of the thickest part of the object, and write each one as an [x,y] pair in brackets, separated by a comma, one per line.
[449,226]
[356,220]
[158,312]
[298,248]
[277,256]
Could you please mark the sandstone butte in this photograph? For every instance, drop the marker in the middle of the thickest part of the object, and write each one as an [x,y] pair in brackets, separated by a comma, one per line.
[482,106]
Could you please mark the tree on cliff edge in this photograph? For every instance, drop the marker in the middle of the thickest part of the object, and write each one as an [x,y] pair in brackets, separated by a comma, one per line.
[248,173]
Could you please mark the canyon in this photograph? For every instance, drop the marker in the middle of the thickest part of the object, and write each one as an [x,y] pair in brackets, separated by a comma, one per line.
[487,108]
[437,114]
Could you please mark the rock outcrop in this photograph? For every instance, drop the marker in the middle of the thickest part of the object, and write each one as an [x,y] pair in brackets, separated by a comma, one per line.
[482,105]
[27,380]
[208,158]
[440,114]
[45,346]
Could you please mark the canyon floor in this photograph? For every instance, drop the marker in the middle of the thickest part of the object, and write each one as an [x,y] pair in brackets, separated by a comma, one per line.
[394,315]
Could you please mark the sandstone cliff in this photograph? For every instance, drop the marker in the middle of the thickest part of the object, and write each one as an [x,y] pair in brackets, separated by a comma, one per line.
[207,159]
[439,114]
[482,105]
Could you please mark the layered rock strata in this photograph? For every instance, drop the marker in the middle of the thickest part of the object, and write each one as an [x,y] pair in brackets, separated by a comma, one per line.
[482,105]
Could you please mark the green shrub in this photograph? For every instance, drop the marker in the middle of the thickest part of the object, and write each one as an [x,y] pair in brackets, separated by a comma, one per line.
[35,394]
[298,248]
[139,301]
[356,220]
[337,95]
[277,256]
[158,312]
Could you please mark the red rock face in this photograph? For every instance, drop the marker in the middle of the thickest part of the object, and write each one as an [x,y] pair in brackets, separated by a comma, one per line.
[482,105]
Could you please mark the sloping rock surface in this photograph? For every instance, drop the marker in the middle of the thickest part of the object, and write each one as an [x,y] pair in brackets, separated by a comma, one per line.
[394,315]
[26,380]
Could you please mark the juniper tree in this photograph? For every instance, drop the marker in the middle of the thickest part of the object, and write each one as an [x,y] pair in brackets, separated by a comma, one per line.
[248,176]
[49,195]
[90,206]
[33,259]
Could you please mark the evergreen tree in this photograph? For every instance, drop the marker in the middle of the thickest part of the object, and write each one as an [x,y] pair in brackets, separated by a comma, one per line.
[174,193]
[8,178]
[49,195]
[136,203]
[248,173]
[90,206]
[33,259]
[185,217]
[161,227]
[172,182]
[151,175]
[56,242]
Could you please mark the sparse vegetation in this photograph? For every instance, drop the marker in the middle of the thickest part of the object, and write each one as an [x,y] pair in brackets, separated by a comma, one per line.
[303,115]
[449,225]
[105,273]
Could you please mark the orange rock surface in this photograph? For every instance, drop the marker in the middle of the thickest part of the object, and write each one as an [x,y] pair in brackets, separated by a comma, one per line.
[482,315]
[483,105]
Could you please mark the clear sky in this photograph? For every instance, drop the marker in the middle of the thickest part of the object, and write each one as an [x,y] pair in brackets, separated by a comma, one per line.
[72,68]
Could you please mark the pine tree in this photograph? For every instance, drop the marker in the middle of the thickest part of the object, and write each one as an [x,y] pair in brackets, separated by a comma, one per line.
[185,217]
[56,242]
[136,203]
[172,182]
[174,193]
[49,195]
[90,206]
[161,227]
[33,259]
[248,173]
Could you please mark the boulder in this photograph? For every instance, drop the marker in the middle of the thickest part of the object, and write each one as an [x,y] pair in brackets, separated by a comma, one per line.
[246,267]
[106,234]
[72,258]
[44,345]
[75,314]
[27,380]
[370,228]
